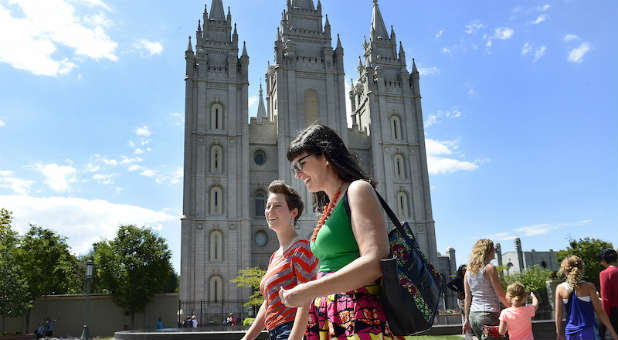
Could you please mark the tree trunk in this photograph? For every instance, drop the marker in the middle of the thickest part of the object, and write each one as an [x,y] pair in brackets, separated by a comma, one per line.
[132,320]
[3,325]
[27,321]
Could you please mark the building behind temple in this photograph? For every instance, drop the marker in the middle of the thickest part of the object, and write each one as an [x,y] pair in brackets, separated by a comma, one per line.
[518,260]
[230,160]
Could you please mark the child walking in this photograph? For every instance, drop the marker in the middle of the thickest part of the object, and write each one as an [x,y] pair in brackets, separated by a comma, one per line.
[517,318]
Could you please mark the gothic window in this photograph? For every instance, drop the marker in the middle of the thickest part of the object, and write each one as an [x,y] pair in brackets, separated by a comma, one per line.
[402,204]
[259,157]
[396,127]
[260,202]
[216,117]
[311,107]
[216,289]
[216,159]
[216,201]
[400,170]
[216,246]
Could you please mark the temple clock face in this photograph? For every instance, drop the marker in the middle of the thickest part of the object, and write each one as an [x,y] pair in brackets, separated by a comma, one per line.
[261,239]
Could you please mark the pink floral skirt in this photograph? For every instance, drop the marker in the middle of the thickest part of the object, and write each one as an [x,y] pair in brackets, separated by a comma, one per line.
[356,314]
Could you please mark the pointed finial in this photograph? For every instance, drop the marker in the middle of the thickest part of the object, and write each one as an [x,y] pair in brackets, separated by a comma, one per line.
[190,46]
[360,62]
[244,49]
[375,2]
[319,6]
[414,70]
[199,25]
[229,12]
[235,32]
[392,31]
[326,23]
[338,42]
[260,89]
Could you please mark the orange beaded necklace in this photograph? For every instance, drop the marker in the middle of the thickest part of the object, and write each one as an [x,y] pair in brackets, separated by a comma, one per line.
[328,209]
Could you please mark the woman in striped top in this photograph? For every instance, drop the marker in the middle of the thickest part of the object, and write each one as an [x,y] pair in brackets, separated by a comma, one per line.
[291,264]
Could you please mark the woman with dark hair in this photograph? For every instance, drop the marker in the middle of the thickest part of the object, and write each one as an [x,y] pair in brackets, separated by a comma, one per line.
[291,264]
[349,240]
[457,285]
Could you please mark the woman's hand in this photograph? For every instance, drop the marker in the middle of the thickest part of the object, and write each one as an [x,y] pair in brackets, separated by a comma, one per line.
[295,297]
[466,326]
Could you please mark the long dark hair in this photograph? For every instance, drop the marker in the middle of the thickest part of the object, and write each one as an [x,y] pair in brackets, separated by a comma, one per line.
[318,139]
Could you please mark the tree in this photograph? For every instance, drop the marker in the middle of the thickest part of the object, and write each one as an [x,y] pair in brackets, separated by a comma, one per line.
[251,277]
[533,279]
[46,263]
[14,296]
[588,250]
[134,266]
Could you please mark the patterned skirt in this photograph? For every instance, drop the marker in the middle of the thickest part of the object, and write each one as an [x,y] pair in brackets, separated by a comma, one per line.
[353,315]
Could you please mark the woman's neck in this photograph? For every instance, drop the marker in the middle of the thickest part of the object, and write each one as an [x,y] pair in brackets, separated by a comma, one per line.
[286,237]
[333,187]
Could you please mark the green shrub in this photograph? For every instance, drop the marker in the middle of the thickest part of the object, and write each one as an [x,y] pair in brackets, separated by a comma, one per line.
[247,321]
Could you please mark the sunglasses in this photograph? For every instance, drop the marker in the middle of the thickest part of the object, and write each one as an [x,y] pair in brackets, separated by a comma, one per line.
[299,165]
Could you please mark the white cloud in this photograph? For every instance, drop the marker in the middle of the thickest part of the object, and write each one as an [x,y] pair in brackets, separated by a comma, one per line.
[148,48]
[540,19]
[426,71]
[134,167]
[179,118]
[93,3]
[103,179]
[440,114]
[148,173]
[539,53]
[138,151]
[82,221]
[171,179]
[17,185]
[536,229]
[501,236]
[526,48]
[143,131]
[570,37]
[503,33]
[44,26]
[2,123]
[473,27]
[114,162]
[58,177]
[576,55]
[438,164]
[446,50]
[544,7]
[439,34]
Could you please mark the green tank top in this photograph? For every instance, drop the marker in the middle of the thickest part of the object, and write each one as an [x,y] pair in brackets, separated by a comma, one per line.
[335,246]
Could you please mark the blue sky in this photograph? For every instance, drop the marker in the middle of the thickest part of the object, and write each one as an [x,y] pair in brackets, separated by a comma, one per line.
[519,102]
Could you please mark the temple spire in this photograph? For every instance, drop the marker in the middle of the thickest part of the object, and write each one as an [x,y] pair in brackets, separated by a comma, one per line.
[190,46]
[338,42]
[216,11]
[244,49]
[261,113]
[377,23]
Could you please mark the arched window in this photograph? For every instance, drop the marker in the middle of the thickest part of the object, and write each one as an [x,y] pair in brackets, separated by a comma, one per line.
[311,107]
[260,202]
[216,201]
[216,289]
[216,117]
[216,159]
[216,246]
[400,170]
[396,127]
[402,204]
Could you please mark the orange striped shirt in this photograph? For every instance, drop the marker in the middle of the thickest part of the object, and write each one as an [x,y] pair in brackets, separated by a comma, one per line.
[297,265]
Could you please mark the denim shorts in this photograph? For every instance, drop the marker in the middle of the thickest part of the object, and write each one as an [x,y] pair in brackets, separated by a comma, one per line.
[281,332]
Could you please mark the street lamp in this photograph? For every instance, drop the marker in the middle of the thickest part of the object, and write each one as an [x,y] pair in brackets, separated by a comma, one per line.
[89,270]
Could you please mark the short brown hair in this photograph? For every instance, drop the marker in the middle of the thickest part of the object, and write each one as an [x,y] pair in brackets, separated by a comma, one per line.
[292,198]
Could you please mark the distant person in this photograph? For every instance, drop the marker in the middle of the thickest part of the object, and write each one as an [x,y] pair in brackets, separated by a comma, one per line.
[193,321]
[187,323]
[580,301]
[517,319]
[49,328]
[292,264]
[457,285]
[40,331]
[231,320]
[159,323]
[609,288]
[483,290]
